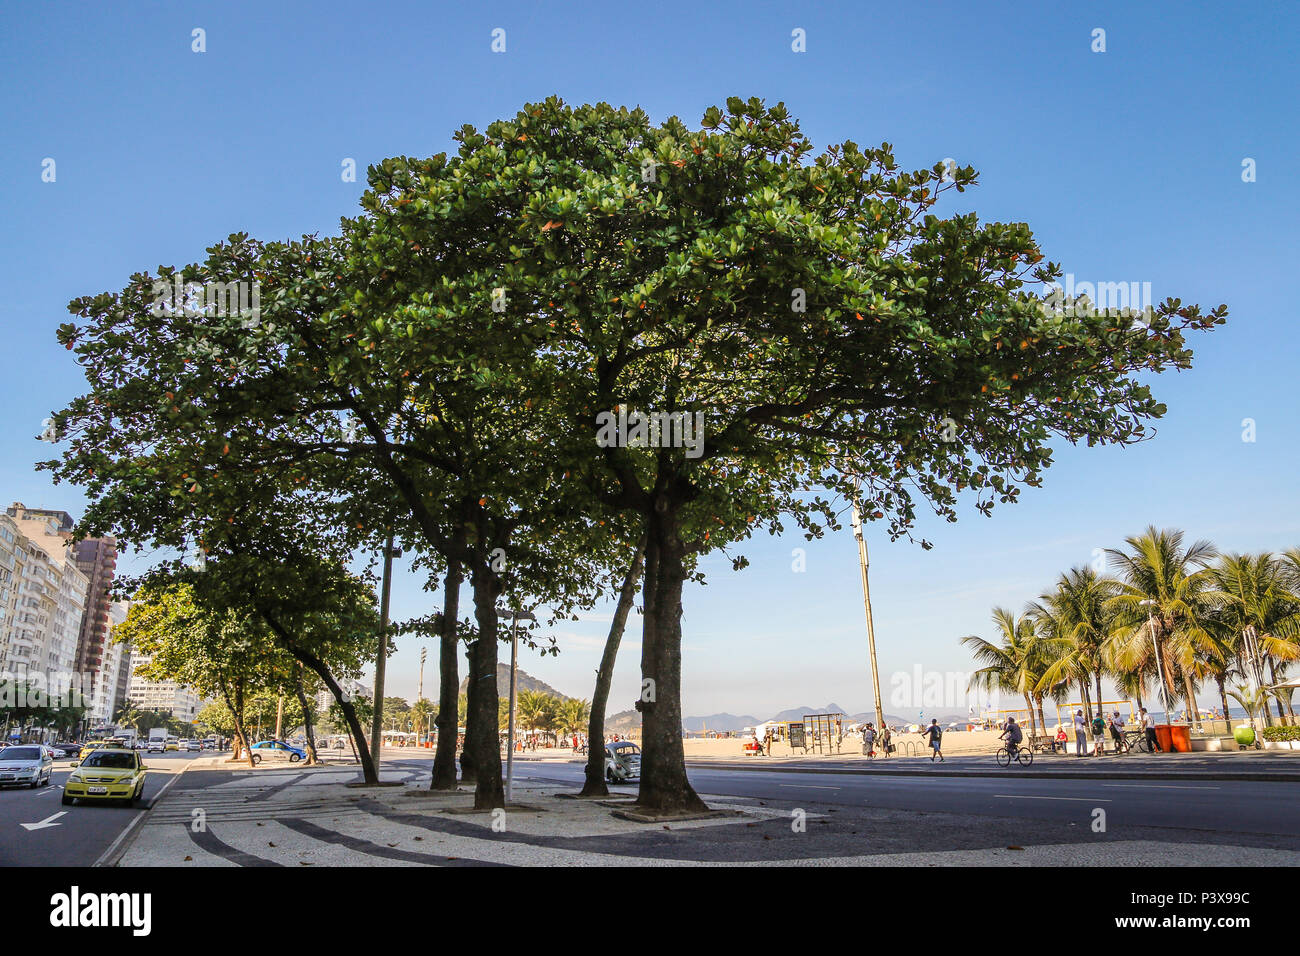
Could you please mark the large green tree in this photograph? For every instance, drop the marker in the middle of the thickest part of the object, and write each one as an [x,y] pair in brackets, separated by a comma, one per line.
[820,314]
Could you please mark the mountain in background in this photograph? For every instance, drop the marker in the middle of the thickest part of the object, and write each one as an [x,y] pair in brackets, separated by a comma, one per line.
[523,681]
[797,713]
[719,722]
[624,722]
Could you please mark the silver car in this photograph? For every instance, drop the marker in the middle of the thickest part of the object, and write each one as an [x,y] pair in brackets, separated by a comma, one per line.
[29,764]
[622,761]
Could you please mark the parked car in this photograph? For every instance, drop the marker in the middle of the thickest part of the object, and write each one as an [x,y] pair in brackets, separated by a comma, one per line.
[108,774]
[29,765]
[622,761]
[275,750]
[65,749]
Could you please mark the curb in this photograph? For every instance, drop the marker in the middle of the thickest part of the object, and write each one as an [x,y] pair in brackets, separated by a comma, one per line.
[117,849]
[1248,776]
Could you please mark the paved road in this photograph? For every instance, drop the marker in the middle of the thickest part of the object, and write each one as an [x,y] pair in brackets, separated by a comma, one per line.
[1259,813]
[79,834]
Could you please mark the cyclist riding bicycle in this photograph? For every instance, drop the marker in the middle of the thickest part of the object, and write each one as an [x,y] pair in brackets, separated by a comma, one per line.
[1012,735]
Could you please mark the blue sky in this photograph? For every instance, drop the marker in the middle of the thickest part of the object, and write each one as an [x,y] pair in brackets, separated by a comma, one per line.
[1127,164]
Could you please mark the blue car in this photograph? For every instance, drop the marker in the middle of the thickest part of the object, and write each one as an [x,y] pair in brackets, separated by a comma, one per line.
[275,750]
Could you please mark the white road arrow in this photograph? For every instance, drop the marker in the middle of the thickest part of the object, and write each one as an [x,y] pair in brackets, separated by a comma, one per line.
[47,822]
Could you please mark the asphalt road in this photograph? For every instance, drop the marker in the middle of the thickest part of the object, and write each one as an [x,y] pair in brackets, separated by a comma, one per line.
[76,835]
[1260,813]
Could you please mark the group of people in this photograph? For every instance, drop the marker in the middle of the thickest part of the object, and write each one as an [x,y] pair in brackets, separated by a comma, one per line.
[871,737]
[1099,726]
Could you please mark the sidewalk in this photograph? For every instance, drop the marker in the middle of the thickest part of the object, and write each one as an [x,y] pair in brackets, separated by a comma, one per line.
[310,817]
[1278,766]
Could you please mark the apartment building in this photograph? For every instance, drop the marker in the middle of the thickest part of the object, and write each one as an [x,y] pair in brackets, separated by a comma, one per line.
[43,597]
[112,678]
[96,558]
[165,696]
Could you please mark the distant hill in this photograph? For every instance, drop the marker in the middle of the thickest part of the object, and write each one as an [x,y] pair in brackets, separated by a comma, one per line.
[719,722]
[797,713]
[523,681]
[624,722]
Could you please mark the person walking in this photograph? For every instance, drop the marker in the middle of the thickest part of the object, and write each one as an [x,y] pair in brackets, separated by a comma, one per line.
[1080,734]
[1149,730]
[869,740]
[885,745]
[935,733]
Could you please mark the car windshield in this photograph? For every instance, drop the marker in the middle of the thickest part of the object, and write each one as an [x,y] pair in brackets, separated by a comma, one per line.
[110,761]
[20,753]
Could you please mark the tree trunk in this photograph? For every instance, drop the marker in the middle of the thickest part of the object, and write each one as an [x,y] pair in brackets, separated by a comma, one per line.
[483,735]
[362,751]
[664,785]
[1100,707]
[1033,723]
[237,713]
[444,758]
[1277,699]
[595,782]
[306,718]
[1042,721]
[1193,713]
[1223,699]
[468,769]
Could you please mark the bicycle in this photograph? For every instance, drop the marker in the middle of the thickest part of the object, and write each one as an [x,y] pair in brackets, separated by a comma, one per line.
[1136,740]
[1022,755]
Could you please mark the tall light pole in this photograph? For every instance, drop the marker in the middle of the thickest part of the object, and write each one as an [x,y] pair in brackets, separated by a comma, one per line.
[1160,670]
[419,687]
[381,659]
[514,617]
[866,602]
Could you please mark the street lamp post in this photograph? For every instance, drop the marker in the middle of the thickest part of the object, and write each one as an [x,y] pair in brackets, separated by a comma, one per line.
[381,659]
[864,564]
[514,617]
[1160,670]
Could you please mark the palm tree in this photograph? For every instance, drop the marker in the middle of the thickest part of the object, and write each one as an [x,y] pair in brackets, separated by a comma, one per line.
[1076,621]
[572,716]
[1166,600]
[1015,665]
[536,710]
[421,714]
[1260,616]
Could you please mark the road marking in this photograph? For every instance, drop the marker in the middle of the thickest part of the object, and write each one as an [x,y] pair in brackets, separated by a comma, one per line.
[1155,786]
[1025,796]
[806,786]
[47,822]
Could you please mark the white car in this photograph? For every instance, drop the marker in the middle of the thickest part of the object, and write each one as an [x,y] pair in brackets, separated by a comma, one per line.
[31,765]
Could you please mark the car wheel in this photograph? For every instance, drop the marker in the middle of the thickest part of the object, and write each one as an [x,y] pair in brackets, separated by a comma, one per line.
[257,758]
[67,800]
[294,758]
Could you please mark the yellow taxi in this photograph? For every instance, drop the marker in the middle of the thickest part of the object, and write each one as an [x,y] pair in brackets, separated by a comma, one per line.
[88,747]
[108,774]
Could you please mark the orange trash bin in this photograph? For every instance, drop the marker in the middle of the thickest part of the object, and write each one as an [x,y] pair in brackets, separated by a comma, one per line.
[1181,738]
[1164,737]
